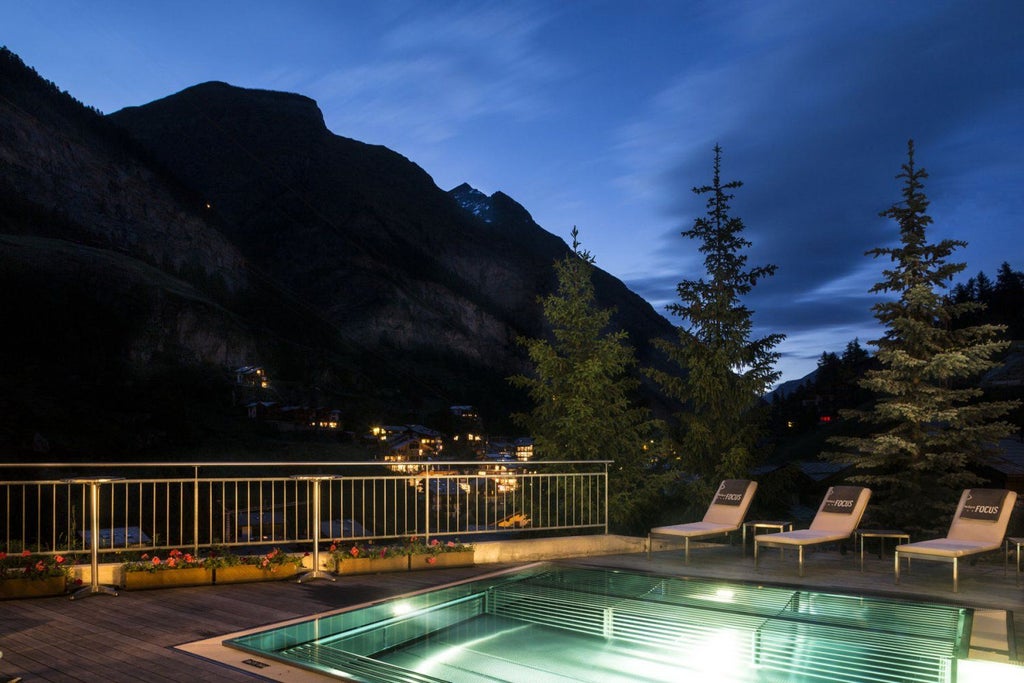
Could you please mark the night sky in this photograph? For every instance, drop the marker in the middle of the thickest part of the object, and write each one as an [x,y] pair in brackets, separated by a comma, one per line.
[603,115]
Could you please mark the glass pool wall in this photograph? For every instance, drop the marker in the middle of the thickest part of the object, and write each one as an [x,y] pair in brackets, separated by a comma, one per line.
[556,623]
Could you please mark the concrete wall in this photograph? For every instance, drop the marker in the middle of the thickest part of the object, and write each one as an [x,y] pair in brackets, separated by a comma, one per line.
[534,549]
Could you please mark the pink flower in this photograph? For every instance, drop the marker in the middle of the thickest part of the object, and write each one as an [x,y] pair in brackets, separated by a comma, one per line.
[354,551]
[188,557]
[156,561]
[333,548]
[450,544]
[172,562]
[40,566]
[59,559]
[431,560]
[175,553]
[434,543]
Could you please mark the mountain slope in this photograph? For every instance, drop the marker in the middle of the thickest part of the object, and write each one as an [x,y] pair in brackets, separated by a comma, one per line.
[362,233]
[144,252]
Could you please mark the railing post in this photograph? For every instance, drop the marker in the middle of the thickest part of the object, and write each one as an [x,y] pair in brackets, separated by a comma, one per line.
[426,510]
[606,499]
[195,510]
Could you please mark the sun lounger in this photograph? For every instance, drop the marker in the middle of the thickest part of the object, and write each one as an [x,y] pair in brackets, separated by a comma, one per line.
[837,518]
[978,526]
[725,515]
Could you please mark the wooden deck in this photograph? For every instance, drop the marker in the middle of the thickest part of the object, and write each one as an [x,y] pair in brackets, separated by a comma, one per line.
[132,637]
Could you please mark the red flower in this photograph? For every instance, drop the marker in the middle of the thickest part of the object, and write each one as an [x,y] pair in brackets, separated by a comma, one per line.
[431,560]
[3,555]
[59,559]
[354,551]
[25,553]
[434,543]
[156,561]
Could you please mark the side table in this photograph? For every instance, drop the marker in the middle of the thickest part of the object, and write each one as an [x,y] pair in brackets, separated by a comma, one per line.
[1017,542]
[881,535]
[778,525]
[94,587]
[314,481]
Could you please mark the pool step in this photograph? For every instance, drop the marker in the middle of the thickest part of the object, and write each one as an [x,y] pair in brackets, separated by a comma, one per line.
[356,666]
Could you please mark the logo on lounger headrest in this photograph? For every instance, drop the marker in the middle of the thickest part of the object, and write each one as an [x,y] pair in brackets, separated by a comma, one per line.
[731,492]
[841,499]
[983,504]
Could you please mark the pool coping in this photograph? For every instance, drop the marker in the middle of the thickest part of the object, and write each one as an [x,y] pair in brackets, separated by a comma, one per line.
[214,650]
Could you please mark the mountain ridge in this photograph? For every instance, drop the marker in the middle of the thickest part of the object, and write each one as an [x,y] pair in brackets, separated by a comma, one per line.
[336,263]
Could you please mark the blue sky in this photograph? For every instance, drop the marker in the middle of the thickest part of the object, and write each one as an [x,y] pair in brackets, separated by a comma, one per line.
[603,115]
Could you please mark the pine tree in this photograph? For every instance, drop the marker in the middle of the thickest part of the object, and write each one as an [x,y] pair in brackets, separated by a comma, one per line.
[928,423]
[724,372]
[582,389]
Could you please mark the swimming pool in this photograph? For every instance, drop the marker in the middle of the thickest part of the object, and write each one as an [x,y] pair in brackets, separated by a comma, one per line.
[565,623]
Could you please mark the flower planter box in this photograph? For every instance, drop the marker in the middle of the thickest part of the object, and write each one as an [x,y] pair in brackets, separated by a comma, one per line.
[372,565]
[462,558]
[246,573]
[168,578]
[11,589]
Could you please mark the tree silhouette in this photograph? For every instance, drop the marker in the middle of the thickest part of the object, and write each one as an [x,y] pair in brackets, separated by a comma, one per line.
[724,372]
[928,426]
[582,389]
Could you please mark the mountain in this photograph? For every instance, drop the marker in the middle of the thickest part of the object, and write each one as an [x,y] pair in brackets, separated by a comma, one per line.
[144,252]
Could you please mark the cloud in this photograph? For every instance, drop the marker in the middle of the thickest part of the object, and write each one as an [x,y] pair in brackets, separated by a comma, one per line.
[432,73]
[813,113]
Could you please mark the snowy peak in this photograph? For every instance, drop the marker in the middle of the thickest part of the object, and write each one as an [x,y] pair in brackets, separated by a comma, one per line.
[474,201]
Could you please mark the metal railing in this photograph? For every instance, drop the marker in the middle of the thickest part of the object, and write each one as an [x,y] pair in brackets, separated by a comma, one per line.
[59,507]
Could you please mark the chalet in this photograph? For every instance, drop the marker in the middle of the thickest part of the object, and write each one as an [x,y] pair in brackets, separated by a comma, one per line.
[408,442]
[252,376]
[523,448]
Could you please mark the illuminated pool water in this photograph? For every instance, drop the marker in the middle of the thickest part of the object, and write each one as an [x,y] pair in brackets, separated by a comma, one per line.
[558,623]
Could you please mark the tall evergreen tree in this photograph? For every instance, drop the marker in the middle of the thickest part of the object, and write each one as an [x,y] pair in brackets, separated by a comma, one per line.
[928,423]
[582,388]
[724,372]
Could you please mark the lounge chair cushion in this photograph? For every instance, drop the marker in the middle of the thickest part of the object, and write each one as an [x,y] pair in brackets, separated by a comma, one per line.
[826,526]
[945,547]
[693,529]
[720,517]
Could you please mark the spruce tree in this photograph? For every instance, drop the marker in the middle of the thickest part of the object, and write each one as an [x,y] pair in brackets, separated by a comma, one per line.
[723,371]
[582,388]
[928,427]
